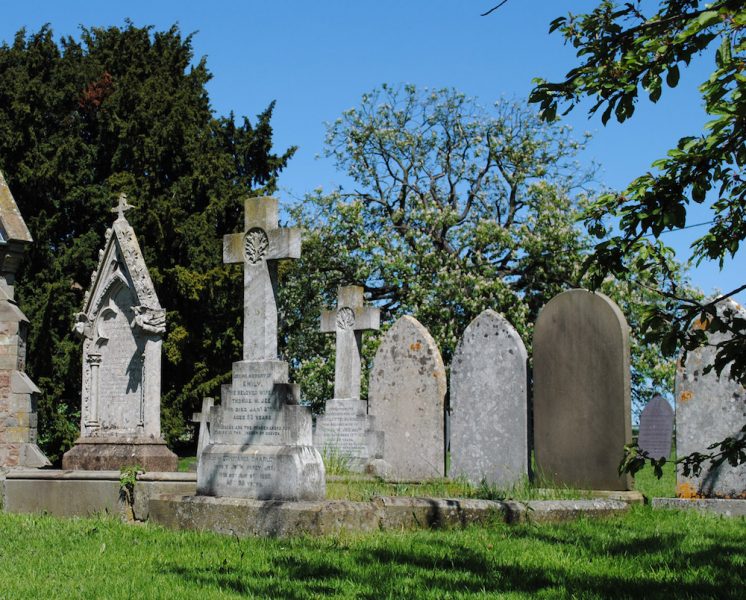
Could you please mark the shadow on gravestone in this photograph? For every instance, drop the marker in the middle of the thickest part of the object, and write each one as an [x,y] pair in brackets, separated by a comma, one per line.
[489,403]
[656,428]
[582,414]
[709,408]
[407,397]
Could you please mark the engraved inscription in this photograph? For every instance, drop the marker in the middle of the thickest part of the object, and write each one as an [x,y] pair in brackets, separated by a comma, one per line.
[254,413]
[245,473]
[345,318]
[256,245]
[344,429]
[121,371]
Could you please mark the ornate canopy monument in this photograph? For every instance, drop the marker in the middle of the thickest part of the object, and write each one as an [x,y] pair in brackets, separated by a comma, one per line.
[122,324]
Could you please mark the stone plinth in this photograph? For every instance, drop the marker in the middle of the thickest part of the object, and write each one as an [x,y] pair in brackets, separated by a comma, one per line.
[346,429]
[115,452]
[260,440]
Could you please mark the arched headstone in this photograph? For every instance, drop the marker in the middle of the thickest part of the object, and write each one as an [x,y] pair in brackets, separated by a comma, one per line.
[656,428]
[581,391]
[406,395]
[488,403]
[709,408]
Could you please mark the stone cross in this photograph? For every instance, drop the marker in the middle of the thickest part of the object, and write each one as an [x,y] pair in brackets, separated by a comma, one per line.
[203,418]
[122,206]
[349,321]
[259,247]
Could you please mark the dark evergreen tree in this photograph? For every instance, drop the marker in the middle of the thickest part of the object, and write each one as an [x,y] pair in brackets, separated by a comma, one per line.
[126,110]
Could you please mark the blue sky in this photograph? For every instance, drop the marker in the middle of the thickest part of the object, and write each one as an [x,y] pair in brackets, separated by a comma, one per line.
[316,59]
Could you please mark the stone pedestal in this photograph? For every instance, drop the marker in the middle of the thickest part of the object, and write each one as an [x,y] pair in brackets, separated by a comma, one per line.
[113,453]
[260,440]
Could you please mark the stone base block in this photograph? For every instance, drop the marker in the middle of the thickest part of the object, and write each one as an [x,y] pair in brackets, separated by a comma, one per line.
[261,472]
[111,454]
[85,493]
[717,506]
[243,517]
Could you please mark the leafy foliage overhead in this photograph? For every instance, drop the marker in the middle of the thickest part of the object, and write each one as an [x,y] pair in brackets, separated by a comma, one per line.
[625,51]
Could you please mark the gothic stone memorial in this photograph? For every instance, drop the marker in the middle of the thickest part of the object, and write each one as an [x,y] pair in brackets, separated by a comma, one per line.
[122,325]
[656,428]
[407,396]
[18,393]
[345,429]
[489,410]
[260,437]
[582,413]
[709,408]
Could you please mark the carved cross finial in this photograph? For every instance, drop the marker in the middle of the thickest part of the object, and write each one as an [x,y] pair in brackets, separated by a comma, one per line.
[122,206]
[259,247]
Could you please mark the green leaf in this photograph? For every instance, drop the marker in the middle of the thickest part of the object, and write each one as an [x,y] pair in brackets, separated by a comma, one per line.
[672,77]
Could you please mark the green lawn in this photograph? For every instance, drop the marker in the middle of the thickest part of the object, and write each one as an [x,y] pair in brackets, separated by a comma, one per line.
[645,554]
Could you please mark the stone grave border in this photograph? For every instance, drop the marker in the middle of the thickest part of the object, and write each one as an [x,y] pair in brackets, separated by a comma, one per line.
[169,499]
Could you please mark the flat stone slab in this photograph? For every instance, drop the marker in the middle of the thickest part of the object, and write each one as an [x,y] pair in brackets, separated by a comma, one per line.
[85,493]
[716,506]
[244,517]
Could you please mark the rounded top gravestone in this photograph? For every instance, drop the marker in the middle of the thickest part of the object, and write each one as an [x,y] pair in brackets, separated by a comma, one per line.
[709,408]
[582,416]
[407,397]
[489,403]
[656,428]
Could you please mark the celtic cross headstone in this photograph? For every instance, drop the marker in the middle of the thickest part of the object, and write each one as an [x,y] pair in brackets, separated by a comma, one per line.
[345,428]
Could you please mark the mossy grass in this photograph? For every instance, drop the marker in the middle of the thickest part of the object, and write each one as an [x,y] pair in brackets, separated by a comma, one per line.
[644,554]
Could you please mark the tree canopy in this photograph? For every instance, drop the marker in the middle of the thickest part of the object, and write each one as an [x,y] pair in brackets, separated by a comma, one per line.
[453,208]
[626,51]
[126,110]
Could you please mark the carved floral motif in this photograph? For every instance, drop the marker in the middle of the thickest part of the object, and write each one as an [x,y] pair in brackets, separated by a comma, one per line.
[345,318]
[256,245]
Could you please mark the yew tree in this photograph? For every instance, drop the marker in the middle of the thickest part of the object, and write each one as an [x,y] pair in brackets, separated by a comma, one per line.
[126,110]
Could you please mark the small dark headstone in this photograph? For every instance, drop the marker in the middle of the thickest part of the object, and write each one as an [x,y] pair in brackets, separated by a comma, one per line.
[656,428]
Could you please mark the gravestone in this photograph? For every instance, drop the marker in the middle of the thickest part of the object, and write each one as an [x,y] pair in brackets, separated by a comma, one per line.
[260,437]
[656,428]
[407,395]
[18,418]
[345,429]
[489,403]
[122,325]
[709,408]
[203,420]
[582,416]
